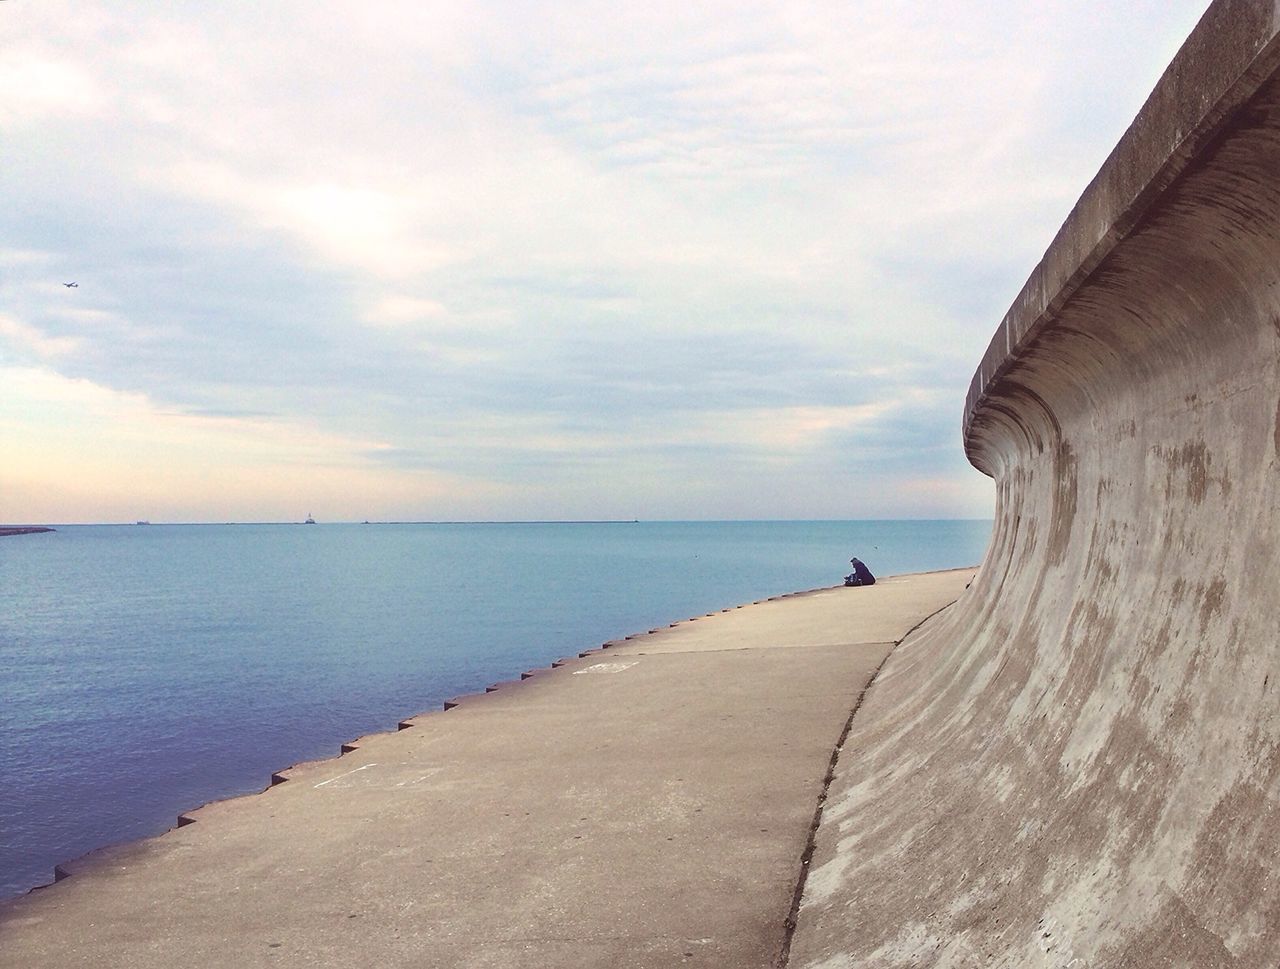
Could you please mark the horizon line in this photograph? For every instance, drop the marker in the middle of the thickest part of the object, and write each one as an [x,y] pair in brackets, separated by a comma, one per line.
[486,521]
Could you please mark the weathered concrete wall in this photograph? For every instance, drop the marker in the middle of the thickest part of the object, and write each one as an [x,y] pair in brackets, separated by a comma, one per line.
[1079,764]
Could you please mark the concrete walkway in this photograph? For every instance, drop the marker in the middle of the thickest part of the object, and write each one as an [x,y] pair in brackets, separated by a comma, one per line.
[647,805]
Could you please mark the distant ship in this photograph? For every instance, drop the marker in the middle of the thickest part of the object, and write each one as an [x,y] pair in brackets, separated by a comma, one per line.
[140,522]
[310,520]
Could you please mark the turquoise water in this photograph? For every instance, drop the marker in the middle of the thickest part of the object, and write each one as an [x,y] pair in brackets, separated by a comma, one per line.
[147,670]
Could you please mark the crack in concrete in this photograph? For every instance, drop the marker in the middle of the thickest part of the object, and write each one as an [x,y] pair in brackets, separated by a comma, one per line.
[792,919]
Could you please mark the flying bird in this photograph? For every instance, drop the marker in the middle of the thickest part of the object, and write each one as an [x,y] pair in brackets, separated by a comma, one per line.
[71,285]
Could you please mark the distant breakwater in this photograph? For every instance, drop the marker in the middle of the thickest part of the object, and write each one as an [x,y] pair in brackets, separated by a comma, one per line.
[24,530]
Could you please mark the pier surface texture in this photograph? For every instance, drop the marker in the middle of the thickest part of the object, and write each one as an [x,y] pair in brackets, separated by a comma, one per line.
[1078,765]
[647,805]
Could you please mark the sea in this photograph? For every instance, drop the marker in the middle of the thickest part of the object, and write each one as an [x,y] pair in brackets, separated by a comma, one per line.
[148,669]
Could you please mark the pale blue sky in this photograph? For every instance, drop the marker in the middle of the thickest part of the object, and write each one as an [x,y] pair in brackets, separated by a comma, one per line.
[517,260]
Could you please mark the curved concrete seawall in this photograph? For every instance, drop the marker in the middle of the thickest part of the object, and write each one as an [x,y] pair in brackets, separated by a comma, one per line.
[1079,764]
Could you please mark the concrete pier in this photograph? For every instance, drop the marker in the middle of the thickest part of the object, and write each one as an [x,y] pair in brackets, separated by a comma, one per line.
[648,805]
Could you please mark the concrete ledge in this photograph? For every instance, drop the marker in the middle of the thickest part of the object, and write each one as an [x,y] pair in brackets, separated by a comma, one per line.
[1230,55]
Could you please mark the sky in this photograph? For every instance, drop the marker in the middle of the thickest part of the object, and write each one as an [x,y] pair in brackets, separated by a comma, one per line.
[570,260]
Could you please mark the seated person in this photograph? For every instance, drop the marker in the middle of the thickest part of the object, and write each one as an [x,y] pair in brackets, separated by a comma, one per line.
[861,575]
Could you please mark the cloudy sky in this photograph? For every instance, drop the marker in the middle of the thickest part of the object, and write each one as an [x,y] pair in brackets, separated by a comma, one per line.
[478,260]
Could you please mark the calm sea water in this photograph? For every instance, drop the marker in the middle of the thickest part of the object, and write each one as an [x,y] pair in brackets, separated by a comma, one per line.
[147,670]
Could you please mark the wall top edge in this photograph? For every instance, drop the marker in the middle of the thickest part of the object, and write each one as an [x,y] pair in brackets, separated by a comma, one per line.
[1230,54]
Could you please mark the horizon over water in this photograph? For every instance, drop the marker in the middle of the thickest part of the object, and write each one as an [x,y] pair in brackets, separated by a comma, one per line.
[147,670]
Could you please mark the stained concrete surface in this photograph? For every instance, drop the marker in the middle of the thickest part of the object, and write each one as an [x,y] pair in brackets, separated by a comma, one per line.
[1078,765]
[646,805]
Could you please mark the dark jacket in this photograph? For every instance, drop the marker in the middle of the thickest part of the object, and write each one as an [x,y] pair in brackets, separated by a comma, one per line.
[861,575]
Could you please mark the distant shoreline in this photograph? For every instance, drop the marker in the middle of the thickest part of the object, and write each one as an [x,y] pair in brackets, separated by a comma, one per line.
[24,530]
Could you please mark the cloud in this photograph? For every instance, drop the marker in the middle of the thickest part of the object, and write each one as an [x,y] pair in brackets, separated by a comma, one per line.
[568,260]
[22,336]
[36,87]
[397,310]
[71,444]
